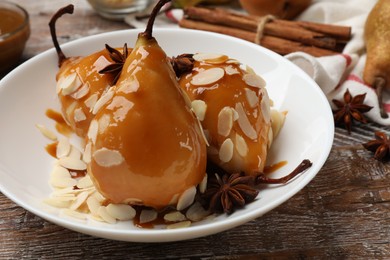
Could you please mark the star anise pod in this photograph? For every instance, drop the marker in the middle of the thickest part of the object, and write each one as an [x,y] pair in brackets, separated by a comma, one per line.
[118,59]
[182,64]
[230,191]
[352,108]
[380,146]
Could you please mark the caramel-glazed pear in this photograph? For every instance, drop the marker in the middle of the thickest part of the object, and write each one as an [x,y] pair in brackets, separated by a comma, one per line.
[377,37]
[146,144]
[79,83]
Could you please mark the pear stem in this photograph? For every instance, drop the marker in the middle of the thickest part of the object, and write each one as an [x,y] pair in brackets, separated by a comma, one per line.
[152,18]
[52,24]
[379,85]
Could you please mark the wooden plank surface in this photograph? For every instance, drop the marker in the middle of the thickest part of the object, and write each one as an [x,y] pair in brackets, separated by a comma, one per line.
[343,213]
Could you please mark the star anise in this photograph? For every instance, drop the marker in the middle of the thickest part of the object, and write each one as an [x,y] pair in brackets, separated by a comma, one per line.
[351,109]
[380,146]
[233,191]
[230,191]
[182,64]
[119,60]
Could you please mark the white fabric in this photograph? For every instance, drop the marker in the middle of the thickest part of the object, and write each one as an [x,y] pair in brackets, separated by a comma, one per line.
[334,74]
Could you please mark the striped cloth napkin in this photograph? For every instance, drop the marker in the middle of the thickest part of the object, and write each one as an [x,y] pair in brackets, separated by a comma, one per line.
[335,74]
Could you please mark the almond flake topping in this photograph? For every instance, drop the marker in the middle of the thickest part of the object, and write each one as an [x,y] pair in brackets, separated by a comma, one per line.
[251,97]
[103,100]
[79,115]
[174,216]
[225,121]
[69,84]
[63,148]
[81,92]
[186,198]
[254,80]
[241,146]
[107,158]
[182,224]
[230,70]
[200,108]
[212,58]
[244,122]
[46,132]
[226,150]
[93,131]
[72,163]
[87,153]
[91,101]
[208,76]
[121,211]
[147,215]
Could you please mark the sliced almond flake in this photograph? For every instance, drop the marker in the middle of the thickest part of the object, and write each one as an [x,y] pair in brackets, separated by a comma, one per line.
[85,182]
[104,122]
[72,163]
[182,224]
[226,150]
[265,106]
[59,172]
[200,108]
[93,131]
[93,205]
[63,192]
[232,61]
[174,199]
[102,212]
[74,214]
[244,123]
[241,145]
[225,121]
[65,198]
[208,76]
[98,196]
[174,216]
[103,100]
[63,148]
[75,153]
[196,212]
[87,153]
[251,97]
[254,80]
[230,70]
[97,218]
[91,101]
[235,114]
[277,121]
[214,58]
[121,211]
[69,110]
[186,198]
[80,199]
[133,201]
[81,92]
[79,115]
[203,184]
[62,182]
[46,132]
[249,70]
[69,84]
[107,158]
[56,203]
[147,215]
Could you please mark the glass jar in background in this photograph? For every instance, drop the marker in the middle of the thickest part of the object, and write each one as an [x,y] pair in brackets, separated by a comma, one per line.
[118,9]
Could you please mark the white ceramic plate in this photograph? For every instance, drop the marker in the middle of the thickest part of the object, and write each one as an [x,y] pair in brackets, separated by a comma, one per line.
[28,91]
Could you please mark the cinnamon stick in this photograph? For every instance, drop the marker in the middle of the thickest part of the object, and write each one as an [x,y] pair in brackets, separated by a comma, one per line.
[279,28]
[282,36]
[279,45]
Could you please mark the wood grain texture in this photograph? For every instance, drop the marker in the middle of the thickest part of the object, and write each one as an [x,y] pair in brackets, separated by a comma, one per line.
[344,213]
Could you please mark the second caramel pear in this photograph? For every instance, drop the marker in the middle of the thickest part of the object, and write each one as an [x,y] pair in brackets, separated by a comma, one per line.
[146,145]
[377,37]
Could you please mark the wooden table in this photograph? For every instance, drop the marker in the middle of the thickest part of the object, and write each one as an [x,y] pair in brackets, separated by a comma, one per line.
[343,213]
